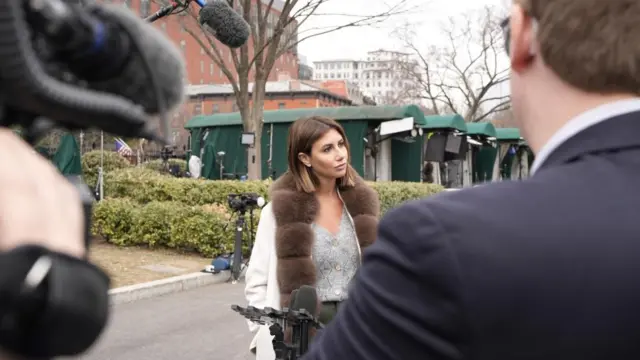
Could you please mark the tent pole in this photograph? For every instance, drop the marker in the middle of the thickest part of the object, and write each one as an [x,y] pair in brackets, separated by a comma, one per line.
[101,171]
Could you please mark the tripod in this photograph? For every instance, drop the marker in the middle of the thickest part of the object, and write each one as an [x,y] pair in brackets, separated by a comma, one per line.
[237,248]
[241,225]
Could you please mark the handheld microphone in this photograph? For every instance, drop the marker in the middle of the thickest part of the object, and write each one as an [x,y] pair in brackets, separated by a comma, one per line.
[224,23]
[305,300]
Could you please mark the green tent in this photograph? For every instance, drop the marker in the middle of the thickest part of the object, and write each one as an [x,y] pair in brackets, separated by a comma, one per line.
[223,132]
[68,158]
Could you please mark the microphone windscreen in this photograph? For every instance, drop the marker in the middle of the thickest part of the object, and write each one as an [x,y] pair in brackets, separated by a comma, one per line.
[293,300]
[165,63]
[226,25]
[307,299]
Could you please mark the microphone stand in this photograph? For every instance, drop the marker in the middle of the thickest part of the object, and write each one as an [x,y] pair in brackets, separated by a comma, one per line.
[167,10]
[303,328]
[300,322]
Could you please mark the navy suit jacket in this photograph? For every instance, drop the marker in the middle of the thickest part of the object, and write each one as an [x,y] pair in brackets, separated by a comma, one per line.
[542,269]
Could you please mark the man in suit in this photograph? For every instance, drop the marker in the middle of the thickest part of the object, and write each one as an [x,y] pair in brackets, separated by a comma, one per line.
[542,269]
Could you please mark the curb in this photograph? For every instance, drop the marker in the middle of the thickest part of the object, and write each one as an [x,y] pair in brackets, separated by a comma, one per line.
[152,289]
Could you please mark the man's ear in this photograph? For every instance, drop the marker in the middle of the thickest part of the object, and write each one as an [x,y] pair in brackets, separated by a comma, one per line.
[306,160]
[522,39]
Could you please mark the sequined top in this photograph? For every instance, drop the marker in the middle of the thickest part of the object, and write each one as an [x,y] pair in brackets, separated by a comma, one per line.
[337,259]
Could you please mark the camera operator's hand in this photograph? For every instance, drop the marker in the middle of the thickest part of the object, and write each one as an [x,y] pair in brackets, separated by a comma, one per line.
[38,206]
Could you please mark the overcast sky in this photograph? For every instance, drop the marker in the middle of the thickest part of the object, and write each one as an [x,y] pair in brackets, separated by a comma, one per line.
[355,42]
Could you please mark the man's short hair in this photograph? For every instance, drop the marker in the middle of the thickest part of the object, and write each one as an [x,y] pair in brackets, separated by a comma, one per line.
[593,45]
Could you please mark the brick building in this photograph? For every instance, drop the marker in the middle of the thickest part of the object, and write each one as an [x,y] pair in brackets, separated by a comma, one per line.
[200,67]
[284,94]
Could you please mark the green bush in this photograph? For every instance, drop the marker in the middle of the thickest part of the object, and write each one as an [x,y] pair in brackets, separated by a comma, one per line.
[113,220]
[144,185]
[91,164]
[158,164]
[144,207]
[206,229]
[394,193]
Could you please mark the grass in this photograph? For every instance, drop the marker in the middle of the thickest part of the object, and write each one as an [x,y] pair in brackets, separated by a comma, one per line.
[124,265]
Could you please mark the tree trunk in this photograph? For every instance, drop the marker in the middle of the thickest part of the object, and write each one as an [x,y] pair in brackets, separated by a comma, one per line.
[254,154]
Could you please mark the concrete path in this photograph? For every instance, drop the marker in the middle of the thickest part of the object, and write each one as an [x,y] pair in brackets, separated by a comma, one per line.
[191,325]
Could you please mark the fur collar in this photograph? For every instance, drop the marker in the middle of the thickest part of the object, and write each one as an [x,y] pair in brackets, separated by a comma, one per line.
[295,211]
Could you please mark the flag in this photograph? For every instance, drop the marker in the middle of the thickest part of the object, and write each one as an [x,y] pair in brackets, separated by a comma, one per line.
[122,148]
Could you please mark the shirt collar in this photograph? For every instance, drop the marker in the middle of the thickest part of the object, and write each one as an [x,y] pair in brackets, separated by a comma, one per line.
[582,122]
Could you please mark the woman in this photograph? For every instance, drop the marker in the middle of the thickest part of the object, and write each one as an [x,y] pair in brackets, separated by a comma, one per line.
[321,215]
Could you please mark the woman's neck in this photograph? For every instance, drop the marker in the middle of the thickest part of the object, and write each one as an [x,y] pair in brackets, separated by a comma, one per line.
[326,187]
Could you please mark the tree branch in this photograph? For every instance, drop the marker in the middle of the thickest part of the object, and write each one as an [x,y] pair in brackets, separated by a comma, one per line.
[461,76]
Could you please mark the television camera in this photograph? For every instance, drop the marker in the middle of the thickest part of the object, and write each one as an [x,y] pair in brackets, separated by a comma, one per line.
[243,202]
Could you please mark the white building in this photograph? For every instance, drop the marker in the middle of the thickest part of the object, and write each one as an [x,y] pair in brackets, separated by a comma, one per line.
[384,75]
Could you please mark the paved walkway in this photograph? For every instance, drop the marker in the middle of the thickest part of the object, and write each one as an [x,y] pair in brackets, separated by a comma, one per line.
[192,325]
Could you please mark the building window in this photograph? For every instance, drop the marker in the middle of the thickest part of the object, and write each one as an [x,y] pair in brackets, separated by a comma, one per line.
[145,8]
[211,69]
[216,109]
[201,66]
[197,109]
[282,105]
[183,44]
[201,51]
[234,108]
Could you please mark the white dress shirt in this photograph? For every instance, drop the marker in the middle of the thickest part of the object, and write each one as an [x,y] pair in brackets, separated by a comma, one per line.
[582,122]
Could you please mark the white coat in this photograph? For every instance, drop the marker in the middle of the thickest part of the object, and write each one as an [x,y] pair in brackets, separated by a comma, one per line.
[261,288]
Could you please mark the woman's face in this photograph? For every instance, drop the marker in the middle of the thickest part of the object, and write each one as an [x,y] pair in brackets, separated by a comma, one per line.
[329,157]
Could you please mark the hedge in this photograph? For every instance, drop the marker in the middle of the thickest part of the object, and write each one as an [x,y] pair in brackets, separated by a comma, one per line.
[144,185]
[91,163]
[144,207]
[204,229]
[158,164]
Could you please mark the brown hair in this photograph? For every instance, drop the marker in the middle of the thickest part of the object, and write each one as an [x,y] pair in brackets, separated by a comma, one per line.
[591,44]
[303,133]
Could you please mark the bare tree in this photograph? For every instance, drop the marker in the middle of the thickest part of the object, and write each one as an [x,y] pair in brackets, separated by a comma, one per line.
[270,39]
[465,75]
[502,119]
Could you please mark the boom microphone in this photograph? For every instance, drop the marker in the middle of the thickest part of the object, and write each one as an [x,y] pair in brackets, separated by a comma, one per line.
[105,45]
[224,23]
[132,81]
[112,39]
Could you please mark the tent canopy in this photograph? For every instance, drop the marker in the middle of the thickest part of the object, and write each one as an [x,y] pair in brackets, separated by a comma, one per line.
[451,122]
[344,113]
[481,129]
[508,135]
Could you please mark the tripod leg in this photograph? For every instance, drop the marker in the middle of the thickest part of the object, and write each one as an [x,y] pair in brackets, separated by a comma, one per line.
[237,250]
